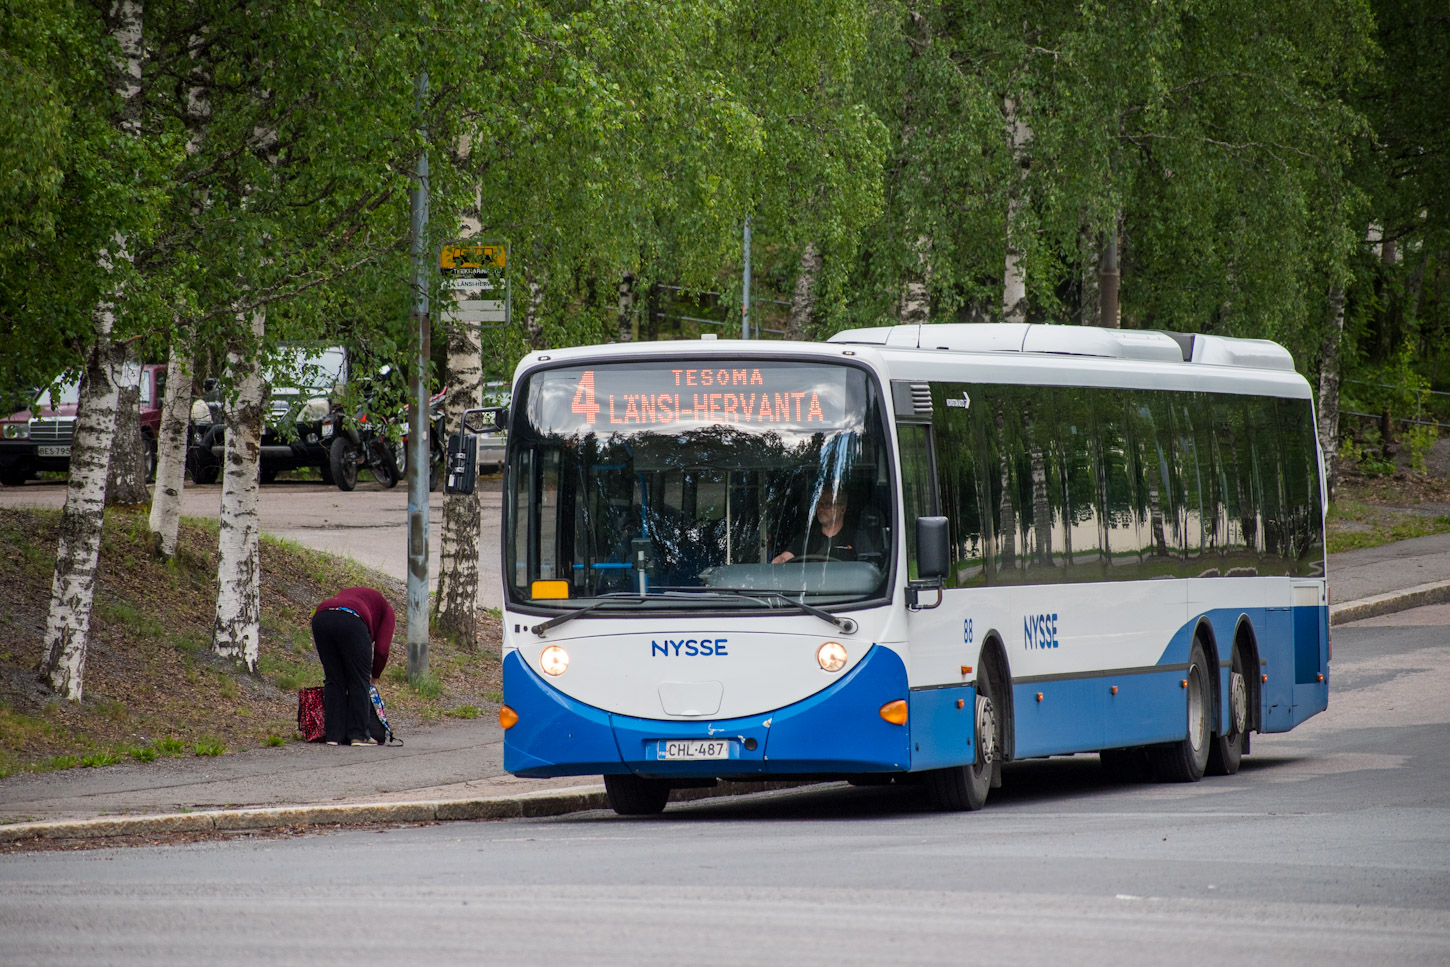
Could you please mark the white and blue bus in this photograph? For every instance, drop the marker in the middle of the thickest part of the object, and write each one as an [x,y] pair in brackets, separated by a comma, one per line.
[908,553]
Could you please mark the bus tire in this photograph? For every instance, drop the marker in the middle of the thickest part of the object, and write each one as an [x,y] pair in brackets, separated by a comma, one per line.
[1186,759]
[1225,752]
[964,788]
[630,795]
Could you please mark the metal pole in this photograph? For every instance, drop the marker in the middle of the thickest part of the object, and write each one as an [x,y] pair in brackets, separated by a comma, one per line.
[745,304]
[418,423]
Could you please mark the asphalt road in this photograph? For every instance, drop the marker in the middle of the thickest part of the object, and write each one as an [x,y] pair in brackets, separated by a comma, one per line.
[1331,846]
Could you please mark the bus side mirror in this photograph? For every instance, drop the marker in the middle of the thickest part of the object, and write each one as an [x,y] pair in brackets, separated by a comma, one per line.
[462,454]
[933,549]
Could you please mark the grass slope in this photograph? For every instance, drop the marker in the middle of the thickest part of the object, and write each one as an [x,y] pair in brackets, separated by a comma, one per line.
[154,687]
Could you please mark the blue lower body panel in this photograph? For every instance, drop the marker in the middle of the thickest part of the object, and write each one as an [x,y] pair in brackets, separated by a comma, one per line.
[836,731]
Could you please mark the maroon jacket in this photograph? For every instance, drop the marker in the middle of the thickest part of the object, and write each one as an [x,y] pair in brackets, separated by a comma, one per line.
[376,613]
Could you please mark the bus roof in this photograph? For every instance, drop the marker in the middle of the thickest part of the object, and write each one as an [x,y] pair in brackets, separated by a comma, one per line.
[1143,344]
[1014,353]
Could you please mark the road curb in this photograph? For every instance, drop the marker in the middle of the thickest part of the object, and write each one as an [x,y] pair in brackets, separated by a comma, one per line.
[528,805]
[1380,604]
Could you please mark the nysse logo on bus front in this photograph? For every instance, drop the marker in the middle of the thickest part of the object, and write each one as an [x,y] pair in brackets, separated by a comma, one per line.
[689,647]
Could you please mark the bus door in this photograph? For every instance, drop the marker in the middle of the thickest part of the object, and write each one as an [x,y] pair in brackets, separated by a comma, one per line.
[941,732]
[1276,650]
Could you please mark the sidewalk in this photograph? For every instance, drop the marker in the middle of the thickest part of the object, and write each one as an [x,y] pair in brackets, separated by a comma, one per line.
[455,771]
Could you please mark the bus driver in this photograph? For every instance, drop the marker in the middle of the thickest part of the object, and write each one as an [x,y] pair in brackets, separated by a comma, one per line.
[829,537]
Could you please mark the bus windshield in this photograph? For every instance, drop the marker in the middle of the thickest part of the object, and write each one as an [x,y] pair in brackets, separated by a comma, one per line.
[720,485]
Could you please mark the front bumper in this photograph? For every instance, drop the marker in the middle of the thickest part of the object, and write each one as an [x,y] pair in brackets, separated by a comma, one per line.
[837,731]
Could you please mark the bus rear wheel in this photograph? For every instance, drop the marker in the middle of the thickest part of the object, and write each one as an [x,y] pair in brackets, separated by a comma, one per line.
[1186,759]
[1225,752]
[633,796]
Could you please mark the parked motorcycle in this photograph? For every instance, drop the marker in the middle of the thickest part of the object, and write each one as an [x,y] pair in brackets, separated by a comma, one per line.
[365,440]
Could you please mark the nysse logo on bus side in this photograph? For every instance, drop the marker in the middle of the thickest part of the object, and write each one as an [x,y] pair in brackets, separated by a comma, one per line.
[689,647]
[1039,631]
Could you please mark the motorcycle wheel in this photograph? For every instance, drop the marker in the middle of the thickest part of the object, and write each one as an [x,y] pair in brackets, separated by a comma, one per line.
[344,463]
[382,464]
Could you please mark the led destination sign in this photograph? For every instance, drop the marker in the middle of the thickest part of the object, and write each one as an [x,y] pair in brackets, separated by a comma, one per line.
[763,395]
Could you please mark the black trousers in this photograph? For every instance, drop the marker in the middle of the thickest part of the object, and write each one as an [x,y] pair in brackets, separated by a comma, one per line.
[346,649]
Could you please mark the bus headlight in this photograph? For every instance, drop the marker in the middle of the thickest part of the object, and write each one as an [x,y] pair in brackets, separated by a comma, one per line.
[831,656]
[554,660]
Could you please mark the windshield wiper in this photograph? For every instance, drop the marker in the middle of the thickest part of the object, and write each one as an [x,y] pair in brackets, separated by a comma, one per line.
[847,625]
[609,598]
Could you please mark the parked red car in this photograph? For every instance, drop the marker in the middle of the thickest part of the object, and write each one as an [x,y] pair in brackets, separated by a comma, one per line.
[40,438]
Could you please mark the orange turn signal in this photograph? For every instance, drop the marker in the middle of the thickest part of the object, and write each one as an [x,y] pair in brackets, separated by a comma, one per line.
[894,712]
[507,717]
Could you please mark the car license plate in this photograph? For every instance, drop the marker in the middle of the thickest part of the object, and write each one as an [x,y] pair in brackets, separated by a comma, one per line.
[693,749]
[52,451]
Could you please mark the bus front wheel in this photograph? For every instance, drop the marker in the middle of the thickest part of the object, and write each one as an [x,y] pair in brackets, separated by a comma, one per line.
[962,788]
[1186,759]
[633,796]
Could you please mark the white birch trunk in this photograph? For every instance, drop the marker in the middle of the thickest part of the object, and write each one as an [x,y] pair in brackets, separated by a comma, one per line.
[165,520]
[126,476]
[1329,387]
[172,440]
[67,632]
[236,633]
[1109,278]
[628,321]
[534,310]
[457,603]
[1090,308]
[803,298]
[1014,271]
[915,309]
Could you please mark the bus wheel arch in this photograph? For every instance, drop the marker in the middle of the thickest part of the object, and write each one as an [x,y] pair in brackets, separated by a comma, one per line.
[992,664]
[1247,640]
[1209,642]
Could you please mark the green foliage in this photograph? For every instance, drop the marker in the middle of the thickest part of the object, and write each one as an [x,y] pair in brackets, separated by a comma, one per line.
[1420,439]
[209,747]
[427,687]
[463,712]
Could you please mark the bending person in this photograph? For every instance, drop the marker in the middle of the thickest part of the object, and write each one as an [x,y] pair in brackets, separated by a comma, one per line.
[352,631]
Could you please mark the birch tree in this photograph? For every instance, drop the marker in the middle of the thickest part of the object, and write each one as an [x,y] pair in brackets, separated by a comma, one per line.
[67,634]
[236,632]
[165,517]
[457,600]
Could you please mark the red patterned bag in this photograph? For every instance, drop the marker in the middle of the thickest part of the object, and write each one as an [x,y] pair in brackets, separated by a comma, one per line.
[309,714]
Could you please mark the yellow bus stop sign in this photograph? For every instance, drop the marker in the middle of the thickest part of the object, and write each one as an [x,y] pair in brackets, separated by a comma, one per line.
[471,259]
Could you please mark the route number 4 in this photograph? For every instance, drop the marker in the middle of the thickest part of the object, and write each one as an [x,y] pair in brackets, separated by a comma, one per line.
[584,397]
